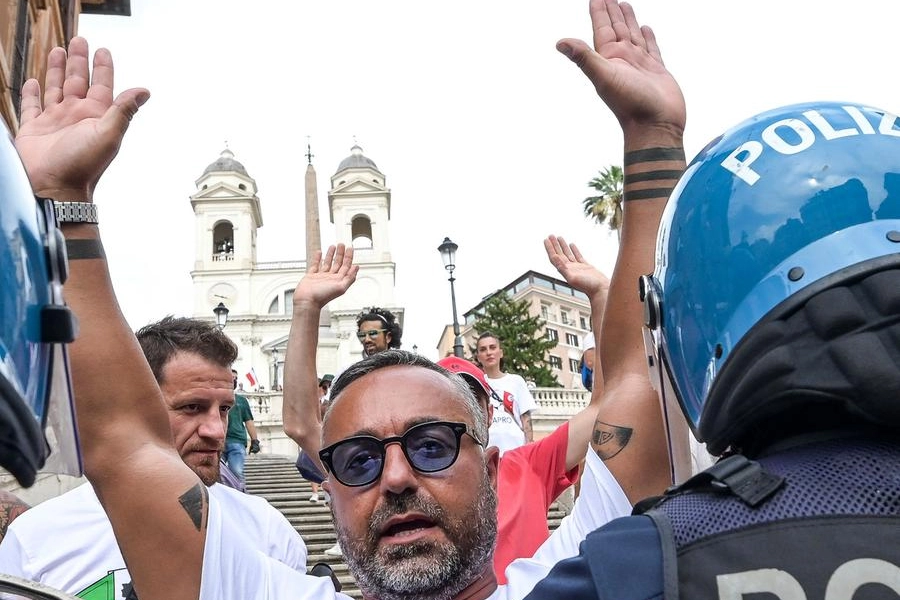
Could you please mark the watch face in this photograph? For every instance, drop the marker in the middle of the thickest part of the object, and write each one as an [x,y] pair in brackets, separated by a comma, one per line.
[224,293]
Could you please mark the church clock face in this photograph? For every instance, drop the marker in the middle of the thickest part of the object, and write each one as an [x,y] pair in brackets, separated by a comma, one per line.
[224,293]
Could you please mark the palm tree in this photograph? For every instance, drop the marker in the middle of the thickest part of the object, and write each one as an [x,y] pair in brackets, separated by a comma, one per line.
[607,207]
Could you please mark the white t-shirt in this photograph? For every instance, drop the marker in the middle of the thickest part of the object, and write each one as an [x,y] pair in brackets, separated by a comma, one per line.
[505,431]
[68,543]
[233,571]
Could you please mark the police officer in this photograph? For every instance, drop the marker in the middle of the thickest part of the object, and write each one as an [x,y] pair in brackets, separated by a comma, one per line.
[772,327]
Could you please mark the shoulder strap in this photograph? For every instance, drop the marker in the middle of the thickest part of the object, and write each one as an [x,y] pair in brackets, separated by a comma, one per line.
[627,560]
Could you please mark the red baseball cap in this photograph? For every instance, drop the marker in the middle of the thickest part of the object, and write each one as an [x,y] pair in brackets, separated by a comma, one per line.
[467,369]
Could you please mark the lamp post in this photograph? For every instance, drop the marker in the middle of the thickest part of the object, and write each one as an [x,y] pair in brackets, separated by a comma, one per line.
[221,312]
[448,255]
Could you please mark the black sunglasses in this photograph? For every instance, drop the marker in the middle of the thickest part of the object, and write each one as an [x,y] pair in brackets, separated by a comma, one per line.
[429,447]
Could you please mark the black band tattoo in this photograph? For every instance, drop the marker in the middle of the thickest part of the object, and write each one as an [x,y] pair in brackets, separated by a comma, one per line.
[652,176]
[653,155]
[193,501]
[84,249]
[608,440]
[648,194]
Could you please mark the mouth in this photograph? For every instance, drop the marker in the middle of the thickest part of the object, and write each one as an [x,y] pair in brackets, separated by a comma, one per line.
[405,528]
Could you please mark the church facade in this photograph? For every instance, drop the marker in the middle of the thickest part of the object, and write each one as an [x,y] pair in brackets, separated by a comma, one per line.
[258,295]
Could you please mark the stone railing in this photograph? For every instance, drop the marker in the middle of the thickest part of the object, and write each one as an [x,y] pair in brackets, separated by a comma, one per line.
[555,406]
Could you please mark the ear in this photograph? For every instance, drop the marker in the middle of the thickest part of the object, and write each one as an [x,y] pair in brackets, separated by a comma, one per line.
[492,462]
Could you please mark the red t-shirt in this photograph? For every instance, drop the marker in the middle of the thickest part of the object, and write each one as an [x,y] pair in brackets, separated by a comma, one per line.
[529,479]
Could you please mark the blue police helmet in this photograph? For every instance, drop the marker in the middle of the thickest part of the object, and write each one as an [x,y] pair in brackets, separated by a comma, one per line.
[787,203]
[37,428]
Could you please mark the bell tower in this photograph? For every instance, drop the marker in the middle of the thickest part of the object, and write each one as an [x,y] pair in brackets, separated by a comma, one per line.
[227,216]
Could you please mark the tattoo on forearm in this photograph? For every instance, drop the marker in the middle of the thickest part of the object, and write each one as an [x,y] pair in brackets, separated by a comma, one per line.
[648,194]
[193,501]
[660,174]
[608,440]
[653,155]
[84,249]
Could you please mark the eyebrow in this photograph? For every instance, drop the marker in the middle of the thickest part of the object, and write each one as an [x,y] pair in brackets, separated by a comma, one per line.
[407,426]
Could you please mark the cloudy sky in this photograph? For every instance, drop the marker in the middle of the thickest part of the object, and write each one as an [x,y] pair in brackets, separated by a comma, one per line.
[484,132]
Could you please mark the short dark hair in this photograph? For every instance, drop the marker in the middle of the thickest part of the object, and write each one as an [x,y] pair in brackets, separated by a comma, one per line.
[160,341]
[489,334]
[387,318]
[393,358]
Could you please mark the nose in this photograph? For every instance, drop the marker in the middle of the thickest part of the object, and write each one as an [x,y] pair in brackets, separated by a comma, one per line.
[213,425]
[397,476]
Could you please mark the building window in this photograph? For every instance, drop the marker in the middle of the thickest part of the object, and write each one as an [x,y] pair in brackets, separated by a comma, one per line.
[572,340]
[361,232]
[574,365]
[584,321]
[564,317]
[545,311]
[283,303]
[552,334]
[223,241]
[555,362]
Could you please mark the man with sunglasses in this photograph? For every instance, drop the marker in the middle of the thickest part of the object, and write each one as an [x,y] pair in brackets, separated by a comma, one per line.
[377,330]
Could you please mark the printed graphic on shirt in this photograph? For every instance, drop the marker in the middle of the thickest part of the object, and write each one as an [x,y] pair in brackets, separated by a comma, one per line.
[116,585]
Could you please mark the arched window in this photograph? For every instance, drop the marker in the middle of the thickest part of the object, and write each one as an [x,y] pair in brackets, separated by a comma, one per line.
[223,241]
[361,232]
[283,303]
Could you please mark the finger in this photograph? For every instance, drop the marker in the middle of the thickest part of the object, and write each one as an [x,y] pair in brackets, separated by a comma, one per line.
[347,262]
[76,83]
[31,101]
[576,253]
[634,29]
[564,246]
[312,266]
[617,22]
[601,23]
[115,120]
[102,74]
[56,75]
[597,68]
[329,257]
[651,45]
[550,246]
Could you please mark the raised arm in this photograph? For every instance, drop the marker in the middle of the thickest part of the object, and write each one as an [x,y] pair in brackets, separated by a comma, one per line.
[585,278]
[627,70]
[153,499]
[324,281]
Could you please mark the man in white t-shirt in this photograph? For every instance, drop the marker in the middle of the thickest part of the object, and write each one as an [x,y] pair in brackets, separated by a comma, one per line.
[67,542]
[513,404]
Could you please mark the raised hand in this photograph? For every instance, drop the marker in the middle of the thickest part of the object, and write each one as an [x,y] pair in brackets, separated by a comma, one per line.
[627,70]
[326,279]
[579,273]
[67,141]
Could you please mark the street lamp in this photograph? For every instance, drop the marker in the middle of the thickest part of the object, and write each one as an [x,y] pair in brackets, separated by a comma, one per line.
[221,315]
[448,255]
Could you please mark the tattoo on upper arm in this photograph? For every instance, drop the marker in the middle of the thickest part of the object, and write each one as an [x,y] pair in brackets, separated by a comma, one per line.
[608,440]
[193,502]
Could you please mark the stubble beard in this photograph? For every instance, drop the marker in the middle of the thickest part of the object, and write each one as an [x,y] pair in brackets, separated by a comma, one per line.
[424,570]
[206,469]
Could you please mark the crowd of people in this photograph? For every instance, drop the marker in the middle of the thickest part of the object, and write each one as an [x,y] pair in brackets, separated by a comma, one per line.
[765,326]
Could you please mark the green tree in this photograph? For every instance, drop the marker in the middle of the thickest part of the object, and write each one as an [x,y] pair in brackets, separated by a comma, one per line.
[607,206]
[524,346]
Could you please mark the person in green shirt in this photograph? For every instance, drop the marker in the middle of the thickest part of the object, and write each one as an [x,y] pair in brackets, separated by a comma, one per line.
[240,424]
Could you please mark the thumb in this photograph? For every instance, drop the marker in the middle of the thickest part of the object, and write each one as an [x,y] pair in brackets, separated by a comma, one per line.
[123,109]
[592,64]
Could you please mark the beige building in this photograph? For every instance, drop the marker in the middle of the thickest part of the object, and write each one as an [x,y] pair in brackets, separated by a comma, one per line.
[567,316]
[29,29]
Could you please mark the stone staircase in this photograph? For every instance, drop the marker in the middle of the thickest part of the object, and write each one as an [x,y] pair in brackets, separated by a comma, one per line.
[275,478]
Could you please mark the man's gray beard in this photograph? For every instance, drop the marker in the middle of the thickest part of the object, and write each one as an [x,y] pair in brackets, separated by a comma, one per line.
[424,570]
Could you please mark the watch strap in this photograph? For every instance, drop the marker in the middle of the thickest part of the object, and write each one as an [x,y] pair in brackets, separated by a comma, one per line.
[75,212]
